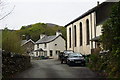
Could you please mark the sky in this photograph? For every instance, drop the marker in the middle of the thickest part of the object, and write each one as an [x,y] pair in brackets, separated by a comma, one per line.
[26,12]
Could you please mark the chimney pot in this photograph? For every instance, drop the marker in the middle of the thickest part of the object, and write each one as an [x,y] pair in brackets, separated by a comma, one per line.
[98,3]
[58,33]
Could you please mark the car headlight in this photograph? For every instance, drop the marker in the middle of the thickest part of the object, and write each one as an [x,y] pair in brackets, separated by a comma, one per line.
[82,58]
[66,55]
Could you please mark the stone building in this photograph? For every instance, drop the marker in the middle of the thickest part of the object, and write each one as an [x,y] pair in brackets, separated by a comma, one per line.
[28,45]
[84,32]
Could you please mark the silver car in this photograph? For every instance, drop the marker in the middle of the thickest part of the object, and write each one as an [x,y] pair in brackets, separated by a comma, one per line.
[75,59]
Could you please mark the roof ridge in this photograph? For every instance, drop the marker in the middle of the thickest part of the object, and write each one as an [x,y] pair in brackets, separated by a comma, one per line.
[47,39]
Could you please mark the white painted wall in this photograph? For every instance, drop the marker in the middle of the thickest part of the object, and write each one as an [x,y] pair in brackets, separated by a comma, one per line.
[60,46]
[98,30]
[51,46]
[84,49]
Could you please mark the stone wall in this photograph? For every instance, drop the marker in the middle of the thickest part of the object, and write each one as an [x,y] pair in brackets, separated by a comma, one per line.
[13,63]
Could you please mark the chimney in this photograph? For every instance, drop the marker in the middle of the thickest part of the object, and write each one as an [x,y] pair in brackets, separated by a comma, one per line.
[98,3]
[42,36]
[58,33]
[28,37]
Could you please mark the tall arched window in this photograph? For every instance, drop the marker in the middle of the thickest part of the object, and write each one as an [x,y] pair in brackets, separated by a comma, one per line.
[69,37]
[75,36]
[87,32]
[80,33]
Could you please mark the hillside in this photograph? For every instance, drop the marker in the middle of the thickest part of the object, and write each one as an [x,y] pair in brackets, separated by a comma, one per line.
[33,31]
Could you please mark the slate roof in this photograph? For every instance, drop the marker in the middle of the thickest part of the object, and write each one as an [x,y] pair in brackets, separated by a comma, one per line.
[38,50]
[47,39]
[89,11]
[23,41]
[26,41]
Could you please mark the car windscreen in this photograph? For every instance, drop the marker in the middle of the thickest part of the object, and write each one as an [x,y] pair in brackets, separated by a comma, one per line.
[67,52]
[75,55]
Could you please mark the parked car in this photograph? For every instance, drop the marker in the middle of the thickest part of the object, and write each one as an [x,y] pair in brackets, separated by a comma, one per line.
[60,56]
[64,56]
[76,58]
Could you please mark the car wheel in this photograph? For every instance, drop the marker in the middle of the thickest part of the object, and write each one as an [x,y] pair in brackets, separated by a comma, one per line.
[65,62]
[68,62]
[61,62]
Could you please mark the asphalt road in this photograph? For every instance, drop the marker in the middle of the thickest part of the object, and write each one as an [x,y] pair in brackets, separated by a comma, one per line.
[54,69]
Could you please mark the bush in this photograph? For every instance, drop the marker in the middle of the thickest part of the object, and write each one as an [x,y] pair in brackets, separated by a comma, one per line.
[109,64]
[111,41]
[93,61]
[11,42]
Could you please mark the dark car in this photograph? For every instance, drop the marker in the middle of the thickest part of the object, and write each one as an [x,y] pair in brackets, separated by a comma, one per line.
[75,58]
[64,56]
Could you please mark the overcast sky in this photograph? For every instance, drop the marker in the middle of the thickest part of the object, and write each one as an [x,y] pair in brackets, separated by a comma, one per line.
[59,12]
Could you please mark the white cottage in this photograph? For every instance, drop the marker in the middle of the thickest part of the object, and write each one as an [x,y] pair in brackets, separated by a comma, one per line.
[83,32]
[50,46]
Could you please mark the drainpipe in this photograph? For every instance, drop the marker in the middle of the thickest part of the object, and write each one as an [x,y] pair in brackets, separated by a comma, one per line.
[91,31]
[95,25]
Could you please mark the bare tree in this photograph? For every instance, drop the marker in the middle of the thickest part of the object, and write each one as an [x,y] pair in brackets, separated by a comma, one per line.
[2,16]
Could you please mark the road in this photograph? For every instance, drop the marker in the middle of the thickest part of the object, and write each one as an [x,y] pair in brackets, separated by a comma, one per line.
[54,69]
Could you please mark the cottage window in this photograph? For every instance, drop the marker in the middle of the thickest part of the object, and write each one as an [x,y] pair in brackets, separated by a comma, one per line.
[45,53]
[51,54]
[55,44]
[57,52]
[45,45]
[36,53]
[80,33]
[87,32]
[37,45]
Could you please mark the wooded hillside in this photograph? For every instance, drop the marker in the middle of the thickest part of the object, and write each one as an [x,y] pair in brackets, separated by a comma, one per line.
[33,31]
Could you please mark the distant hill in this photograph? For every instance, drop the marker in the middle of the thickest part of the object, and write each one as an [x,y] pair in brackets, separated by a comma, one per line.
[33,31]
[47,24]
[51,24]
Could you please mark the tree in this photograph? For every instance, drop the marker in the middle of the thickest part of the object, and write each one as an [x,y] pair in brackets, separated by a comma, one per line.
[11,42]
[111,40]
[111,30]
[0,39]
[35,30]
[2,16]
[109,63]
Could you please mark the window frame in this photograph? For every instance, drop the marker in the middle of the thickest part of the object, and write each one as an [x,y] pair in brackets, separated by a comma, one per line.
[87,32]
[81,34]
